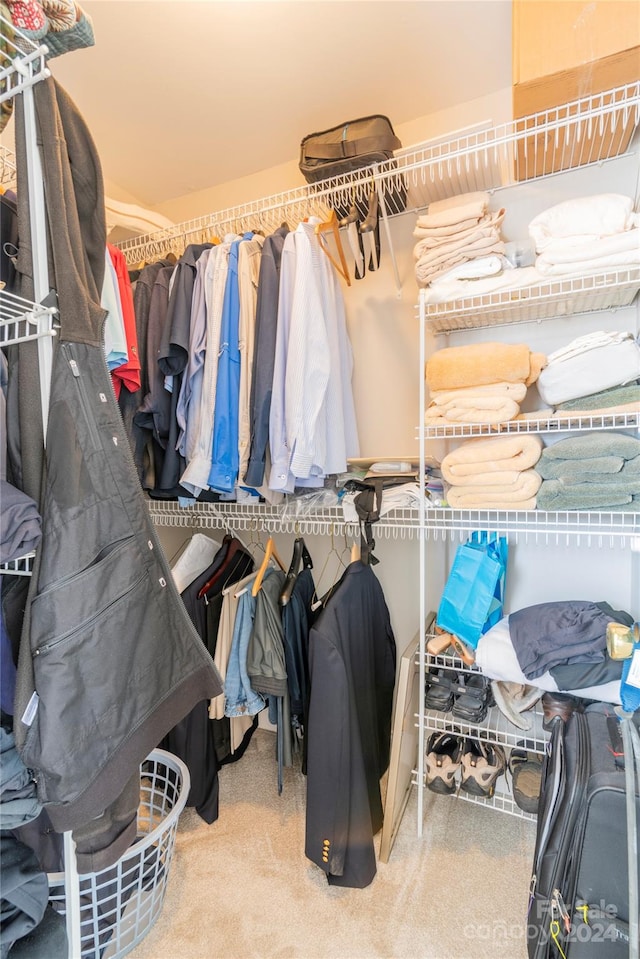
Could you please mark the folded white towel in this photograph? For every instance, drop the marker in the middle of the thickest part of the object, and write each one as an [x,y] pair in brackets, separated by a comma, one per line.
[615,261]
[601,368]
[590,341]
[558,251]
[444,290]
[476,269]
[601,215]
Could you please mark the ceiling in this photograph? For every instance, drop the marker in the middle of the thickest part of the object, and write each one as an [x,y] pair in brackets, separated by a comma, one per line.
[183,95]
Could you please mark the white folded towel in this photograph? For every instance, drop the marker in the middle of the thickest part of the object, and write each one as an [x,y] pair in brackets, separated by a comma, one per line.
[444,290]
[586,248]
[475,269]
[613,364]
[595,216]
[455,210]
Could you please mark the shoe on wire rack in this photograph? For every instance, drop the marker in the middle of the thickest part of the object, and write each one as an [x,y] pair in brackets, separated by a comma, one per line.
[482,763]
[443,762]
[526,778]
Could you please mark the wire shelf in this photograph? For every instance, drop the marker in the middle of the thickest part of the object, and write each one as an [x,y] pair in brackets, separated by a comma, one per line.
[585,131]
[22,62]
[594,528]
[555,423]
[18,567]
[547,300]
[500,801]
[397,524]
[589,528]
[494,728]
[22,320]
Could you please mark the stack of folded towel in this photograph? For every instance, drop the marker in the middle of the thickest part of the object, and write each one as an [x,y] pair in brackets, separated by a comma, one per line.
[589,234]
[458,238]
[480,383]
[591,471]
[494,473]
[589,366]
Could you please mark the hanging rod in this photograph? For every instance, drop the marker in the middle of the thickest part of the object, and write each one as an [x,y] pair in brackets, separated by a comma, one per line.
[527,148]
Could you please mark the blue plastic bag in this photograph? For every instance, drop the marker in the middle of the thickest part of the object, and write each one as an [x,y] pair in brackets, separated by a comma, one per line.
[630,683]
[473,597]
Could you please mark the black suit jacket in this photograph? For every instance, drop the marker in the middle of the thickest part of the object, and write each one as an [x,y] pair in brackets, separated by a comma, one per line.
[352,660]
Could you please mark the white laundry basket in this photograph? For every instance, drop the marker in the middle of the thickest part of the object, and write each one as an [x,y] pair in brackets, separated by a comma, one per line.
[119,905]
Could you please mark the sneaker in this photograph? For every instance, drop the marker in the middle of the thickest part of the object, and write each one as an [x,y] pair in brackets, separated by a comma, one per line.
[443,762]
[482,763]
[526,779]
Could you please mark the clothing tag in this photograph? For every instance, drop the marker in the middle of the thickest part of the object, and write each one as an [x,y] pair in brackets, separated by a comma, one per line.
[32,708]
[633,676]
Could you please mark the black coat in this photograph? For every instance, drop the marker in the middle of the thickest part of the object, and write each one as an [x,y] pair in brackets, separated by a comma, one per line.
[352,657]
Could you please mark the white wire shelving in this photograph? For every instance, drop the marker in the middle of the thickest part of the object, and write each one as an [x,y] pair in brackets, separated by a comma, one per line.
[582,132]
[22,566]
[397,524]
[553,423]
[441,523]
[546,300]
[22,320]
[494,728]
[22,62]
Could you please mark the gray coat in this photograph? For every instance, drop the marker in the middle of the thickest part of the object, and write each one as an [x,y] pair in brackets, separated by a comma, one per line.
[107,646]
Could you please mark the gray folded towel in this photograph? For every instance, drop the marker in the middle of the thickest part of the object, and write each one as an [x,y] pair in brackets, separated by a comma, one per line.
[616,396]
[550,468]
[589,445]
[554,495]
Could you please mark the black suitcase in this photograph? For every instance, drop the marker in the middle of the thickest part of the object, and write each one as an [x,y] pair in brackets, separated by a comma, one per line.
[579,899]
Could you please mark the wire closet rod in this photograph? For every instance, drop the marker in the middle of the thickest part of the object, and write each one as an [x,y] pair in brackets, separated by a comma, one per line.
[583,118]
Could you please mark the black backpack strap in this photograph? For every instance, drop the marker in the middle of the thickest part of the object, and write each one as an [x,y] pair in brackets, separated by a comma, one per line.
[368,504]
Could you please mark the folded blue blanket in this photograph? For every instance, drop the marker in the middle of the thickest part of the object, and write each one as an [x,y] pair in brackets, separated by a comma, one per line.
[589,445]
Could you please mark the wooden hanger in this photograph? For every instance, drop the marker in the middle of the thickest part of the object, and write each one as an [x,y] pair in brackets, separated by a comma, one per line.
[269,554]
[233,546]
[332,225]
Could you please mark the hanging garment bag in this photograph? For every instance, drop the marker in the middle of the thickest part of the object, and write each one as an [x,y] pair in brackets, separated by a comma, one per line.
[580,890]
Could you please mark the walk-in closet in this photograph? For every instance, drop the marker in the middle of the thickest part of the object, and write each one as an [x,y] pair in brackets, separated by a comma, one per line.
[320,472]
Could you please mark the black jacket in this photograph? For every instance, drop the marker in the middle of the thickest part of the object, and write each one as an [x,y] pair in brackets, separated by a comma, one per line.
[107,645]
[352,657]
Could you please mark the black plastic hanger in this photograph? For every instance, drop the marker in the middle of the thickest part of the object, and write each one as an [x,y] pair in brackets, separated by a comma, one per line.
[300,552]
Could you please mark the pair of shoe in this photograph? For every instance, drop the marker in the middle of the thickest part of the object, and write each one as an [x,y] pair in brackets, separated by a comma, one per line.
[479,764]
[472,697]
[440,684]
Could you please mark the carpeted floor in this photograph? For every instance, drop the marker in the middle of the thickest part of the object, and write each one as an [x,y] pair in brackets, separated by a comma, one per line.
[243,889]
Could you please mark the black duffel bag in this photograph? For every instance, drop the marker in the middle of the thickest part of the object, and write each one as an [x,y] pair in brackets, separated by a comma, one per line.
[352,146]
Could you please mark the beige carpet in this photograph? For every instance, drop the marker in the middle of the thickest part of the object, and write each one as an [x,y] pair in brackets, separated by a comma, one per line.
[243,889]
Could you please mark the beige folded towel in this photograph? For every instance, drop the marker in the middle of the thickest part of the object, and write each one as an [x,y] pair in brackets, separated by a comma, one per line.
[437,240]
[455,209]
[426,274]
[490,410]
[488,455]
[426,252]
[479,364]
[498,478]
[518,495]
[444,232]
[512,391]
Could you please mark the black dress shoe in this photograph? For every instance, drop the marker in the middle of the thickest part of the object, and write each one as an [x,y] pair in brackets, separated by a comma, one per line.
[558,705]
